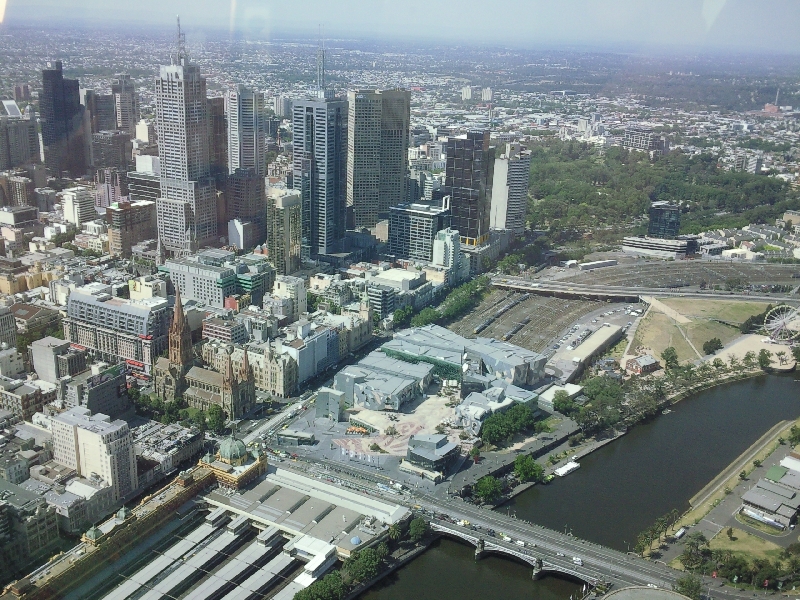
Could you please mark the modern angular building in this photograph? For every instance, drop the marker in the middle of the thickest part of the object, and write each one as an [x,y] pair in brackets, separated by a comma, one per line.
[665,220]
[62,123]
[187,207]
[413,229]
[512,172]
[468,181]
[377,152]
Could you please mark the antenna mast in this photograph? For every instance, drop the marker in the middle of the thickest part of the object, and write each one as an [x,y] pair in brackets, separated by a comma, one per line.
[180,45]
[321,63]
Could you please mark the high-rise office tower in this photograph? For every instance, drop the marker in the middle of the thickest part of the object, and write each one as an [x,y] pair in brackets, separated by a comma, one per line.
[19,140]
[284,235]
[282,106]
[319,169]
[100,109]
[244,109]
[111,186]
[218,141]
[187,210]
[512,172]
[413,229]
[468,182]
[62,123]
[377,152]
[126,104]
[246,201]
[112,149]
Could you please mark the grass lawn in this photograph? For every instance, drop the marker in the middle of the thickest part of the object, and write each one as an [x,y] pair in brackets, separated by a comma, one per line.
[657,332]
[726,310]
[746,544]
[192,412]
[700,332]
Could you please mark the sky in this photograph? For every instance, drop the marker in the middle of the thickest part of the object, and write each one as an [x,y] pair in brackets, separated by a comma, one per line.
[731,25]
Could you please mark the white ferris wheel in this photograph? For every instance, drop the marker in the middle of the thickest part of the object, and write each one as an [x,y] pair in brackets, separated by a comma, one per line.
[783,323]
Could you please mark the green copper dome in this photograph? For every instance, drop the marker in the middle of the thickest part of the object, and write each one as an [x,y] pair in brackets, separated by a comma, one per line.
[232,450]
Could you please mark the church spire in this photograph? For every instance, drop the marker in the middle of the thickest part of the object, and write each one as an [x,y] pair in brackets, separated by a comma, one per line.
[245,372]
[228,379]
[180,336]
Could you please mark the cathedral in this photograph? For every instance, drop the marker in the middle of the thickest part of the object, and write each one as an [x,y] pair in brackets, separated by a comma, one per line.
[177,376]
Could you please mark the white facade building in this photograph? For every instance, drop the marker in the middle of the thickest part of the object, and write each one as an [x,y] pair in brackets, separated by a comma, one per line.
[93,444]
[78,204]
[294,289]
[512,171]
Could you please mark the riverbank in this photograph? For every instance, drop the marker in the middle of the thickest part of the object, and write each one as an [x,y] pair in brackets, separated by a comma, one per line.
[396,562]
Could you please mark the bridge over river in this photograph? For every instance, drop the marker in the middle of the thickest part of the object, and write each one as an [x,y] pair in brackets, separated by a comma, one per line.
[549,551]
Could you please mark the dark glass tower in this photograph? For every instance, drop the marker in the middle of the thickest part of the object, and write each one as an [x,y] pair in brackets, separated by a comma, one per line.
[665,220]
[62,123]
[468,181]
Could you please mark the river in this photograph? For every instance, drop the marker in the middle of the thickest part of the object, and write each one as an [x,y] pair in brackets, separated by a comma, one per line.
[619,490]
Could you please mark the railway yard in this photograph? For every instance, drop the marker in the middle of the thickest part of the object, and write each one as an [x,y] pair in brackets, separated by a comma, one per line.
[686,274]
[526,320]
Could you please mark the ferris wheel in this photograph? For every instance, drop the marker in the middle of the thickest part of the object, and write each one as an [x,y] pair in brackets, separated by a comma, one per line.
[783,323]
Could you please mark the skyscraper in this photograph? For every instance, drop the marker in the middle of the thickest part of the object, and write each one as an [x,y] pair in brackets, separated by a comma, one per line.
[246,201]
[244,108]
[512,172]
[187,210]
[319,169]
[377,152]
[468,181]
[62,123]
[19,140]
[126,104]
[284,235]
[100,109]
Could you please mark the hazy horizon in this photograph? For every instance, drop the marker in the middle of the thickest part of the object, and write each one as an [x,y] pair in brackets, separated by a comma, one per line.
[735,26]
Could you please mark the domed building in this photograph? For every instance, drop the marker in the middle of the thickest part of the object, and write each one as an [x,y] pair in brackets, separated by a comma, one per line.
[232,451]
[234,465]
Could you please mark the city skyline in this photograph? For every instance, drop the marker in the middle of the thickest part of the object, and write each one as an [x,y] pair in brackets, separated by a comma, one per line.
[729,25]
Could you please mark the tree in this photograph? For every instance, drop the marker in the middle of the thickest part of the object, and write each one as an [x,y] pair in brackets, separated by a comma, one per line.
[383,550]
[418,529]
[562,403]
[670,357]
[712,345]
[330,587]
[730,533]
[475,454]
[216,419]
[749,359]
[695,548]
[488,488]
[718,364]
[756,463]
[402,317]
[742,475]
[690,586]
[394,532]
[426,316]
[527,469]
[764,358]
